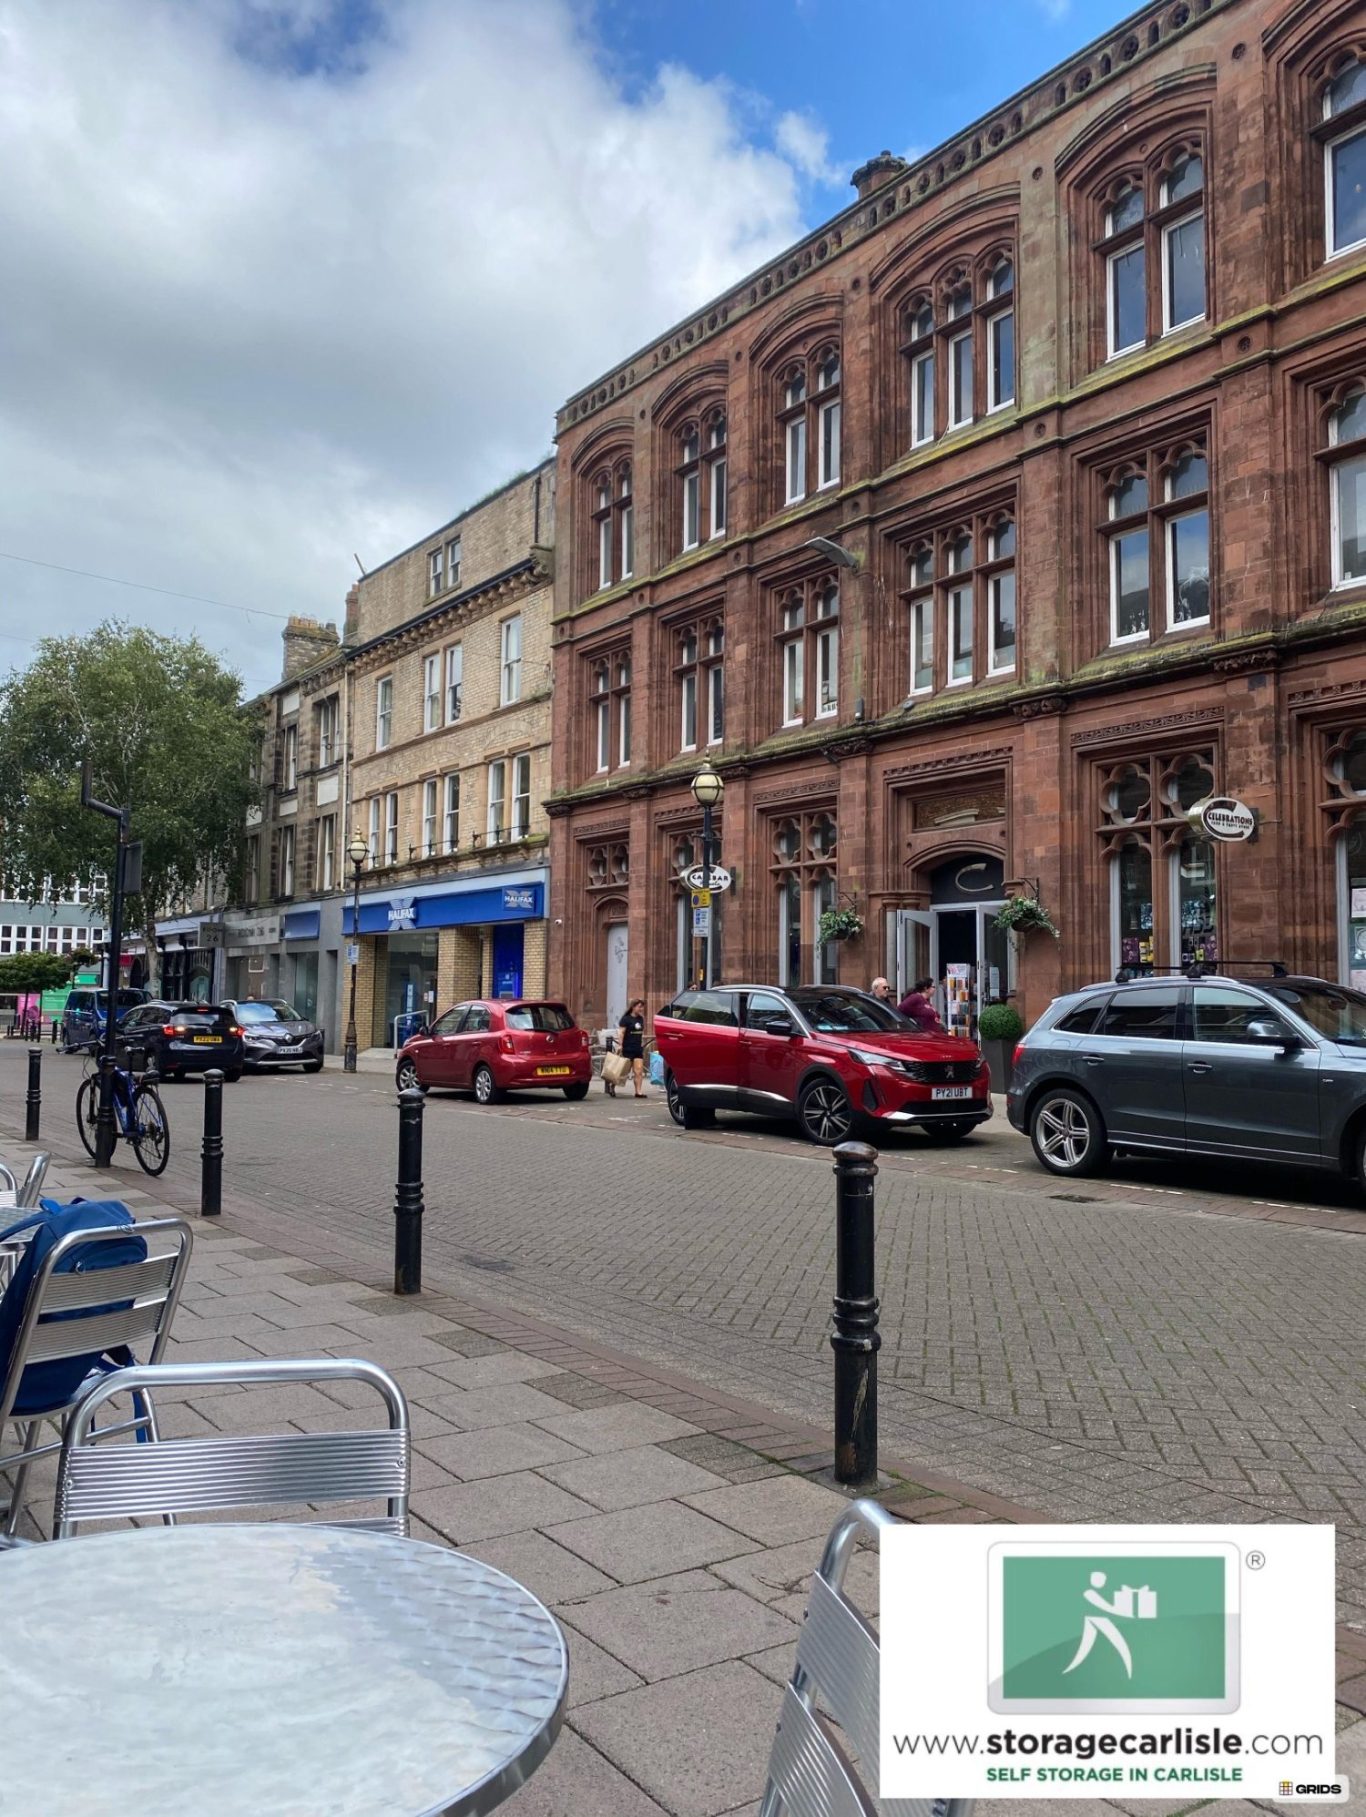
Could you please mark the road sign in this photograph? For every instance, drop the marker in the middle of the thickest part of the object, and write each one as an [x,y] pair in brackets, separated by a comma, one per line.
[701,899]
[352,951]
[718,877]
[701,923]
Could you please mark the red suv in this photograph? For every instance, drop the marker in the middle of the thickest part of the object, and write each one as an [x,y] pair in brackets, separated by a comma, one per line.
[832,1058]
[491,1047]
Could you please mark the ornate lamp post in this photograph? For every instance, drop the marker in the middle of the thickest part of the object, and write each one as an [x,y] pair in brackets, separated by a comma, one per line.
[707,788]
[357,851]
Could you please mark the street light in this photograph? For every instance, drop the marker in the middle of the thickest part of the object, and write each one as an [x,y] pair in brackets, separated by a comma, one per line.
[707,788]
[357,851]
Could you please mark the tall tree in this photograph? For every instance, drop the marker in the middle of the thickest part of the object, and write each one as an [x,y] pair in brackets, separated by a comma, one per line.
[163,725]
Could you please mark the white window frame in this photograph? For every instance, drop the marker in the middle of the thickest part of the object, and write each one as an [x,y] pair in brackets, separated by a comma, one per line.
[1117,537]
[795,441]
[994,666]
[716,703]
[717,499]
[602,730]
[510,661]
[955,344]
[604,552]
[624,723]
[521,795]
[453,557]
[286,861]
[920,611]
[1336,470]
[1168,325]
[794,679]
[430,799]
[373,839]
[628,526]
[326,867]
[1169,541]
[827,659]
[1111,260]
[451,808]
[435,573]
[692,508]
[431,693]
[1330,146]
[455,682]
[959,602]
[688,709]
[828,445]
[291,759]
[384,712]
[999,400]
[391,827]
[922,432]
[496,827]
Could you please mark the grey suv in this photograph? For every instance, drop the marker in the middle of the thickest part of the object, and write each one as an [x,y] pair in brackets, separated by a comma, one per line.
[1271,1069]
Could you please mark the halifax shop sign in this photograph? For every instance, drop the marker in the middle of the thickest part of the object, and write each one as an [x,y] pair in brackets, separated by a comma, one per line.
[475,905]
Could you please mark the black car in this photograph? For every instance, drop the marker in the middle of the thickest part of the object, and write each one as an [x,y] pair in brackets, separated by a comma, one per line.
[275,1034]
[180,1038]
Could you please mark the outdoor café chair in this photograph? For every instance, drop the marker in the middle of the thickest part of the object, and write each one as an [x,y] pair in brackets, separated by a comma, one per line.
[88,1312]
[810,1771]
[235,1471]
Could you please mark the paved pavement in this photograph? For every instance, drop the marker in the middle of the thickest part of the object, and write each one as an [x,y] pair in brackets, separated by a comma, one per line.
[1115,1350]
[672,1533]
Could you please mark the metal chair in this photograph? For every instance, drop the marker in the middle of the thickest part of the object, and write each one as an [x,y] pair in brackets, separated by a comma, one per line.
[810,1771]
[27,1197]
[258,1470]
[89,1312]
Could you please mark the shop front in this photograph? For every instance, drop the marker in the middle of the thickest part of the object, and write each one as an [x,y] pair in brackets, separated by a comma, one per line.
[190,959]
[424,947]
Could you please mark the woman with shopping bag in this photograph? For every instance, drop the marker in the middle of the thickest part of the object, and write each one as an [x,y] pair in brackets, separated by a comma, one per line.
[631,1043]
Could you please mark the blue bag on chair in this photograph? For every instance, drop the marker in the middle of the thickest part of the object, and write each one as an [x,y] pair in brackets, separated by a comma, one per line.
[52,1384]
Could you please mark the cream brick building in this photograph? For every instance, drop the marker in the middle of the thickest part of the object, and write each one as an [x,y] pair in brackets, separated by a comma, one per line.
[448,681]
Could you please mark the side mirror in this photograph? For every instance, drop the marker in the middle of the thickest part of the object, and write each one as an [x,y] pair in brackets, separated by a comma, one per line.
[1267,1032]
[780,1025]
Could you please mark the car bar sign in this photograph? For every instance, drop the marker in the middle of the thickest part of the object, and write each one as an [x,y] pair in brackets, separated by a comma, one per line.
[716,877]
[1222,817]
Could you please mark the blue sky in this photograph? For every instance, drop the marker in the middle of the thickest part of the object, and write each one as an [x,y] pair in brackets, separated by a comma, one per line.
[295,279]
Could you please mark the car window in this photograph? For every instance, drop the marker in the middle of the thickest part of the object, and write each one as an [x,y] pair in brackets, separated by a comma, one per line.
[78,1000]
[717,1007]
[1329,1009]
[476,1020]
[447,1024]
[762,1009]
[836,1014]
[1081,1021]
[266,1012]
[543,1018]
[1142,1013]
[1224,1015]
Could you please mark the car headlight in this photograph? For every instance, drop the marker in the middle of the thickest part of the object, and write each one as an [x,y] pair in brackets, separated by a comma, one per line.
[864,1058]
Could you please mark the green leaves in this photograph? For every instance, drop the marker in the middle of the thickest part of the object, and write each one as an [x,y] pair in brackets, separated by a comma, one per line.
[25,972]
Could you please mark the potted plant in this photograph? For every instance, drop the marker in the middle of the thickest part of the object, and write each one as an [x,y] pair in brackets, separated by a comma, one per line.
[999,1027]
[1025,915]
[839,924]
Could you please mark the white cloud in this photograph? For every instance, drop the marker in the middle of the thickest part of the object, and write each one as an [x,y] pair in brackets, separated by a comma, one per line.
[1054,10]
[254,321]
[805,143]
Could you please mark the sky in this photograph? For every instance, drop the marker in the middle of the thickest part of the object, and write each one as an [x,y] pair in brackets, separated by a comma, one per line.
[288,283]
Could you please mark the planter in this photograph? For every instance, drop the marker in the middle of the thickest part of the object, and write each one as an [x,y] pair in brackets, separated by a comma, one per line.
[999,1056]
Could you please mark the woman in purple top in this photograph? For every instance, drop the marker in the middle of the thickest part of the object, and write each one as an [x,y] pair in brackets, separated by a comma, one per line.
[917,1008]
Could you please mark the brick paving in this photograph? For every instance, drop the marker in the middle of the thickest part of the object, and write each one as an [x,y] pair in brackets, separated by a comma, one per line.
[672,1529]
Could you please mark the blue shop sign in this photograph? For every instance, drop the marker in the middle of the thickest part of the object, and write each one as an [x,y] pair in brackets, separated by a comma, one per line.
[399,914]
[303,924]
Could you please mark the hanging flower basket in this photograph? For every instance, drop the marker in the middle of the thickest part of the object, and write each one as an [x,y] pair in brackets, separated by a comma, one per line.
[839,924]
[1025,915]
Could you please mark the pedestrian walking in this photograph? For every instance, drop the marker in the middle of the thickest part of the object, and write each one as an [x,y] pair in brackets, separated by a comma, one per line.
[881,990]
[917,1007]
[631,1041]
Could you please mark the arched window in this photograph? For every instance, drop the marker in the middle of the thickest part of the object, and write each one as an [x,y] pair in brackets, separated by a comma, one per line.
[690,484]
[1156,529]
[1344,156]
[960,353]
[613,514]
[809,421]
[1347,473]
[1153,248]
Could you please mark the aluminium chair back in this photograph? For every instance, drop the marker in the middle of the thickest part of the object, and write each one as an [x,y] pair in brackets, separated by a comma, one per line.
[813,1770]
[236,1471]
[27,1197]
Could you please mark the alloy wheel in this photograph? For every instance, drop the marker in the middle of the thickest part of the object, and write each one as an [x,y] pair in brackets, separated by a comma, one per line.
[672,1098]
[825,1113]
[483,1086]
[407,1079]
[1063,1134]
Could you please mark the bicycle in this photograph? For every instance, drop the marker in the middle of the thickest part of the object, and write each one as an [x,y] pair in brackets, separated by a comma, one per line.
[139,1117]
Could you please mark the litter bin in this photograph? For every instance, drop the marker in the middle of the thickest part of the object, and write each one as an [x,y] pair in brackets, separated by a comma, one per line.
[407,1025]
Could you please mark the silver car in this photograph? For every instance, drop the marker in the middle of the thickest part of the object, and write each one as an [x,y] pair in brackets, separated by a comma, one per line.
[1265,1069]
[275,1034]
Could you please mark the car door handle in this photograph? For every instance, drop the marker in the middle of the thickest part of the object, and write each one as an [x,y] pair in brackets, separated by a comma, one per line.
[1093,1059]
[1201,1066]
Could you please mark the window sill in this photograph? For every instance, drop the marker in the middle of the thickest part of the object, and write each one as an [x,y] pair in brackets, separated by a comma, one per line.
[1127,643]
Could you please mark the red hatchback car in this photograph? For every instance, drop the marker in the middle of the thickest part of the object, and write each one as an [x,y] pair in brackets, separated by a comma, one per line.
[832,1059]
[490,1047]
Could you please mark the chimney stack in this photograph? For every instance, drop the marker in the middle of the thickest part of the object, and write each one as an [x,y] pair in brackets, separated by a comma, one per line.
[876,172]
[306,641]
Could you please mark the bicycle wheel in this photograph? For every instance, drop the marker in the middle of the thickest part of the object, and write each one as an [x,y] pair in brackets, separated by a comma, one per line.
[87,1111]
[151,1134]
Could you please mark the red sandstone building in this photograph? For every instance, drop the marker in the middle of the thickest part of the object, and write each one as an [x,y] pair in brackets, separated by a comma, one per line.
[1082,395]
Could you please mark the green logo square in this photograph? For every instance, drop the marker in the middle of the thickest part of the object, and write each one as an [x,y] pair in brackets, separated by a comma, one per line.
[1114,1628]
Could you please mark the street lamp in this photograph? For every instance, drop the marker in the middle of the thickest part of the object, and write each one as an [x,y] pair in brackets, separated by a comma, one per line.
[357,851]
[707,788]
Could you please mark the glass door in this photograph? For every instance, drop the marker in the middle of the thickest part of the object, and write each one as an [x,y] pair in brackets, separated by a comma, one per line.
[914,956]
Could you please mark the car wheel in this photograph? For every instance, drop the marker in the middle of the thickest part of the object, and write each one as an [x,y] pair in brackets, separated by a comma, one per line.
[672,1099]
[232,1077]
[485,1085]
[825,1113]
[575,1093]
[946,1133]
[1067,1133]
[313,1066]
[406,1078]
[696,1116]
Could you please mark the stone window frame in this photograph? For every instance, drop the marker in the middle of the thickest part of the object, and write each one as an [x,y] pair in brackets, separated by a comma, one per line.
[803,867]
[683,842]
[1156,466]
[698,652]
[609,556]
[1158,829]
[968,297]
[697,478]
[608,728]
[926,591]
[803,395]
[805,615]
[1331,454]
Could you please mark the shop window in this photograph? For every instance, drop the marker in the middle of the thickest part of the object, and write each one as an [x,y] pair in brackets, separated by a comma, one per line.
[431,692]
[1156,535]
[1344,156]
[1163,878]
[609,701]
[808,642]
[804,870]
[957,341]
[611,501]
[1344,803]
[959,596]
[1151,248]
[1346,463]
[809,423]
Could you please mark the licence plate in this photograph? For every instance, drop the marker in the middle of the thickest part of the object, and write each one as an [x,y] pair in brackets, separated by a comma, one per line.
[285,1052]
[951,1091]
[208,1040]
[553,1072]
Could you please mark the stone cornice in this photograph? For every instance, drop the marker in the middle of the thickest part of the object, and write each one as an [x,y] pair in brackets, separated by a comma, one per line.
[1110,58]
[499,590]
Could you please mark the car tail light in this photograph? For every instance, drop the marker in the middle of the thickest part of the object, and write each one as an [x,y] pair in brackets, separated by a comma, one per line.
[1018,1055]
[234,1030]
[508,1045]
[171,1029]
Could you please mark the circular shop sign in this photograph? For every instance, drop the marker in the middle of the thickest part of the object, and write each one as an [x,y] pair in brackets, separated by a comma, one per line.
[1223,817]
[718,878]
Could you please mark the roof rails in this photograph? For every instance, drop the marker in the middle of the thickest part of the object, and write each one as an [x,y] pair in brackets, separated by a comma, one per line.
[1201,968]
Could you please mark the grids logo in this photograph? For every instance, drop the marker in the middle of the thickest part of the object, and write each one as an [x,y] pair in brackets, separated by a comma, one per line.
[1298,1791]
[1111,1628]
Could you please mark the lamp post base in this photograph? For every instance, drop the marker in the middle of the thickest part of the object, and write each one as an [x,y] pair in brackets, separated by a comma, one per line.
[349,1049]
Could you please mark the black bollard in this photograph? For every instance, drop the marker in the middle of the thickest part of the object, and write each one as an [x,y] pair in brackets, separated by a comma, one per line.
[211,1151]
[34,1102]
[408,1195]
[106,1128]
[855,1339]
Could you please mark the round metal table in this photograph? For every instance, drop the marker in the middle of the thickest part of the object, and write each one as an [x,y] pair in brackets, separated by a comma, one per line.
[265,1670]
